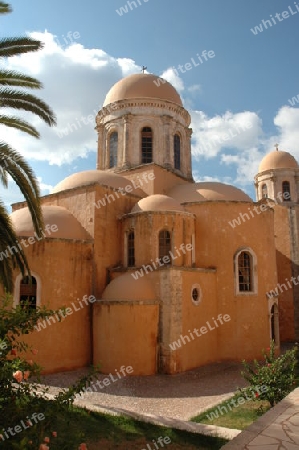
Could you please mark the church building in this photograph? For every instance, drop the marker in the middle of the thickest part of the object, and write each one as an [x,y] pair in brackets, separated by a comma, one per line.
[150,269]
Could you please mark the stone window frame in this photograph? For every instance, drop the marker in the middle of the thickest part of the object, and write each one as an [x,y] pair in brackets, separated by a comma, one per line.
[253,272]
[17,289]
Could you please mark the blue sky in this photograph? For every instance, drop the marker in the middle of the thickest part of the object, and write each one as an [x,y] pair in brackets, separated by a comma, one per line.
[244,90]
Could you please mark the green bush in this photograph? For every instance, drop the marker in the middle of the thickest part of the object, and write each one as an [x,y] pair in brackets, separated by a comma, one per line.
[28,419]
[278,374]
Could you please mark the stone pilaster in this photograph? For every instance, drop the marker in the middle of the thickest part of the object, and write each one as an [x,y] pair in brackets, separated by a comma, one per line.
[101,148]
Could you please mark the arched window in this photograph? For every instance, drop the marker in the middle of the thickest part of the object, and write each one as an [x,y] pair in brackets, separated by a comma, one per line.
[28,292]
[177,151]
[146,145]
[164,245]
[245,272]
[286,190]
[264,191]
[131,249]
[113,147]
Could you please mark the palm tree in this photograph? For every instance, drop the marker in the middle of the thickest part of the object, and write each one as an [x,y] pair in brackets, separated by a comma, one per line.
[13,94]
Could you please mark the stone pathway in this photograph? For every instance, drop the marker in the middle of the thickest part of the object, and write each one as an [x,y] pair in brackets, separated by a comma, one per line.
[171,400]
[278,429]
[180,396]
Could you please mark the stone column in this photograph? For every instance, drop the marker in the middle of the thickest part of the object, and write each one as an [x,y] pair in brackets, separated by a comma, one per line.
[167,160]
[127,121]
[101,148]
[187,161]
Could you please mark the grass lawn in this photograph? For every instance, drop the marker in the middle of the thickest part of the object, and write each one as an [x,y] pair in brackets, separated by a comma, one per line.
[238,417]
[100,431]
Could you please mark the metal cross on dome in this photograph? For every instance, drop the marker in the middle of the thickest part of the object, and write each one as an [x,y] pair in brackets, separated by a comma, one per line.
[144,68]
[276,146]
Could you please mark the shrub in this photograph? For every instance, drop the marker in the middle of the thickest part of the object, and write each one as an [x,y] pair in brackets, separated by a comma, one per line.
[28,419]
[278,374]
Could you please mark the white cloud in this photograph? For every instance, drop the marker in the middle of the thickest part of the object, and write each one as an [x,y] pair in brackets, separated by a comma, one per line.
[76,81]
[287,122]
[238,131]
[176,81]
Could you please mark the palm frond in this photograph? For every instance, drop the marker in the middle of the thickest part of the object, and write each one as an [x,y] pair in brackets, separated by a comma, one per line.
[4,8]
[12,98]
[18,45]
[9,257]
[19,124]
[15,165]
[3,177]
[14,78]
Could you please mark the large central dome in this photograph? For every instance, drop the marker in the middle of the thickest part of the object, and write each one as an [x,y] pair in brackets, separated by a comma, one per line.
[142,85]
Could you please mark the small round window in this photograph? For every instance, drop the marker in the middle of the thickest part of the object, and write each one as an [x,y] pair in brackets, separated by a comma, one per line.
[196,294]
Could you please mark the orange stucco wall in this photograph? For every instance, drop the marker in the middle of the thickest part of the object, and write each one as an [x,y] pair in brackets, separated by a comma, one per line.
[284,272]
[65,272]
[216,245]
[126,334]
[162,181]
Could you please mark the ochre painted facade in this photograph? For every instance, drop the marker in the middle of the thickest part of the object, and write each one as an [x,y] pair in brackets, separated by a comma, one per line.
[173,284]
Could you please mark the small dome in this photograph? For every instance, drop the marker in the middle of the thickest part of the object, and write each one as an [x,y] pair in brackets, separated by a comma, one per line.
[95,176]
[142,86]
[68,227]
[278,159]
[157,202]
[125,287]
[207,191]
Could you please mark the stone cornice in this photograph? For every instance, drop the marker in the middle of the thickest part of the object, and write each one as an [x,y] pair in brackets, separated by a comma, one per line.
[143,102]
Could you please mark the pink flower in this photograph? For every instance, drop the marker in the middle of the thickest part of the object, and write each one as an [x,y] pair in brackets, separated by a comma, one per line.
[269,365]
[54,433]
[268,349]
[26,374]
[34,351]
[257,395]
[82,446]
[43,447]
[30,362]
[47,439]
[13,351]
[18,376]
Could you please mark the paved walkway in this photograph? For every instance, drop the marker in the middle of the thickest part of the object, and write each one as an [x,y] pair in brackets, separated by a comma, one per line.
[278,429]
[180,396]
[171,400]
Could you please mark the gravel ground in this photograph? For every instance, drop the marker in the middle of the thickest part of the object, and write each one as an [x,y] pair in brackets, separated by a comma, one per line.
[180,396]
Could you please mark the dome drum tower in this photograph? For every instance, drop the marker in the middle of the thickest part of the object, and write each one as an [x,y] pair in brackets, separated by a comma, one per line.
[141,123]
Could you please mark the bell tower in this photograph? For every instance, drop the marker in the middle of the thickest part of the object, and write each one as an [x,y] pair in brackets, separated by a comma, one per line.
[278,177]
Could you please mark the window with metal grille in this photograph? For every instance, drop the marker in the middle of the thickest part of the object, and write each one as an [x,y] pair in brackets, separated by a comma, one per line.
[286,190]
[264,191]
[28,293]
[177,151]
[113,147]
[245,272]
[146,145]
[131,249]
[164,244]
